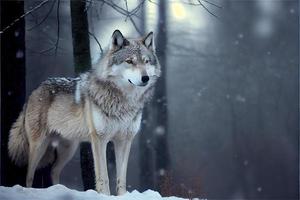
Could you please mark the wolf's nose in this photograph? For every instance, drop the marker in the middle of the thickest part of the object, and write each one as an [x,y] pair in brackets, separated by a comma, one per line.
[145,79]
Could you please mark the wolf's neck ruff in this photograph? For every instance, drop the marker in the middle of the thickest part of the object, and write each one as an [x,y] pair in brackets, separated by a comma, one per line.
[111,99]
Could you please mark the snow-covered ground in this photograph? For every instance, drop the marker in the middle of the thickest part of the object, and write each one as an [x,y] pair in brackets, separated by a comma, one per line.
[60,192]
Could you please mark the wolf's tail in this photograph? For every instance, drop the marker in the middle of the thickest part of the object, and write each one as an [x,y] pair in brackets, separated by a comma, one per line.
[18,145]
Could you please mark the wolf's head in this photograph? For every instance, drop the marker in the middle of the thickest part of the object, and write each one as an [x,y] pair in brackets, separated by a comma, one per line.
[131,62]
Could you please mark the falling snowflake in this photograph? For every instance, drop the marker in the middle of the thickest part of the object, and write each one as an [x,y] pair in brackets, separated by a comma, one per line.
[159,130]
[19,54]
[200,92]
[162,172]
[240,98]
[17,33]
[241,35]
[259,189]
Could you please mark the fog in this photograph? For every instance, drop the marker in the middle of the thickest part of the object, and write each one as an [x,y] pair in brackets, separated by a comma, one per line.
[231,92]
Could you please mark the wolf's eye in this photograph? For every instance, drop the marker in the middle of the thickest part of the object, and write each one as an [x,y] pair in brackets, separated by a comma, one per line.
[129,61]
[146,61]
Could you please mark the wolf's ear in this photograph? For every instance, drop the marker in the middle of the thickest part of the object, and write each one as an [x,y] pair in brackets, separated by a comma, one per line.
[148,41]
[118,40]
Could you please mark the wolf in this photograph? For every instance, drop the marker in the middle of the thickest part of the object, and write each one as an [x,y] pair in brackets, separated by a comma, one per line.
[101,105]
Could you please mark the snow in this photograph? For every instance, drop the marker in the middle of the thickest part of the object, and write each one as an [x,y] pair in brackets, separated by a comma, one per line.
[58,192]
[160,130]
[17,33]
[19,54]
[162,172]
[259,189]
[240,98]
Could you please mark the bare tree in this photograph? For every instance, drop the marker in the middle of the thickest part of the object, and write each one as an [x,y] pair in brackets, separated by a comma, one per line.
[146,154]
[82,63]
[80,36]
[161,112]
[13,88]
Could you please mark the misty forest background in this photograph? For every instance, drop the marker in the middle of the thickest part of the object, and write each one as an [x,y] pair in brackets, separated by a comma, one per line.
[224,120]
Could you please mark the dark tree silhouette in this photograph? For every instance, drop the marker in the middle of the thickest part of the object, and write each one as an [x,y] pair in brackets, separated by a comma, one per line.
[154,152]
[80,36]
[12,84]
[145,146]
[160,109]
[82,63]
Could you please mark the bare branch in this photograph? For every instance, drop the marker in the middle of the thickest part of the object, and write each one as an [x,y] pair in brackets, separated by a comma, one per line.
[45,18]
[135,26]
[89,5]
[120,9]
[213,4]
[126,5]
[115,7]
[126,12]
[58,26]
[205,8]
[24,15]
[200,3]
[55,46]
[95,38]
[34,18]
[137,8]
[151,1]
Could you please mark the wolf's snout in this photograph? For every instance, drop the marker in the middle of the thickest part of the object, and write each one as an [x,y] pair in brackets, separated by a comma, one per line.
[145,79]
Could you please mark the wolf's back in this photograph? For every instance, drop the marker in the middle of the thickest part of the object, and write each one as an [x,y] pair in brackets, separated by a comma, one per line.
[18,142]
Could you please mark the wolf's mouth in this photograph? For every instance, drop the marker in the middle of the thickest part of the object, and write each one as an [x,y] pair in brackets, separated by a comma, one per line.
[140,85]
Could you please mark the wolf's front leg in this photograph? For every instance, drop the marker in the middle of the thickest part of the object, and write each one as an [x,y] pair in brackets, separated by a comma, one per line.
[99,154]
[122,150]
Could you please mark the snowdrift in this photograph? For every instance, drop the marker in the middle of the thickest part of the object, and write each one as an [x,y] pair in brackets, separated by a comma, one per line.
[60,192]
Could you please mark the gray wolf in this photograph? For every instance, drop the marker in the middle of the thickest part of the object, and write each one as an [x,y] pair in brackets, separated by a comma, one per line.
[102,105]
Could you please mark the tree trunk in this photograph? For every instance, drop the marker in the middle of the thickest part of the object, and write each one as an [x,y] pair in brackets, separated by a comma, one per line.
[13,88]
[82,63]
[161,113]
[145,138]
[80,35]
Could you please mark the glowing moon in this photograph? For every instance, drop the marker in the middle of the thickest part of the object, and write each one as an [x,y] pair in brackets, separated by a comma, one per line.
[178,10]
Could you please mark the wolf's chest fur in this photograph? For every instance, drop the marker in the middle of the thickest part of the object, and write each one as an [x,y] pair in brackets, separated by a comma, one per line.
[113,111]
[127,124]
